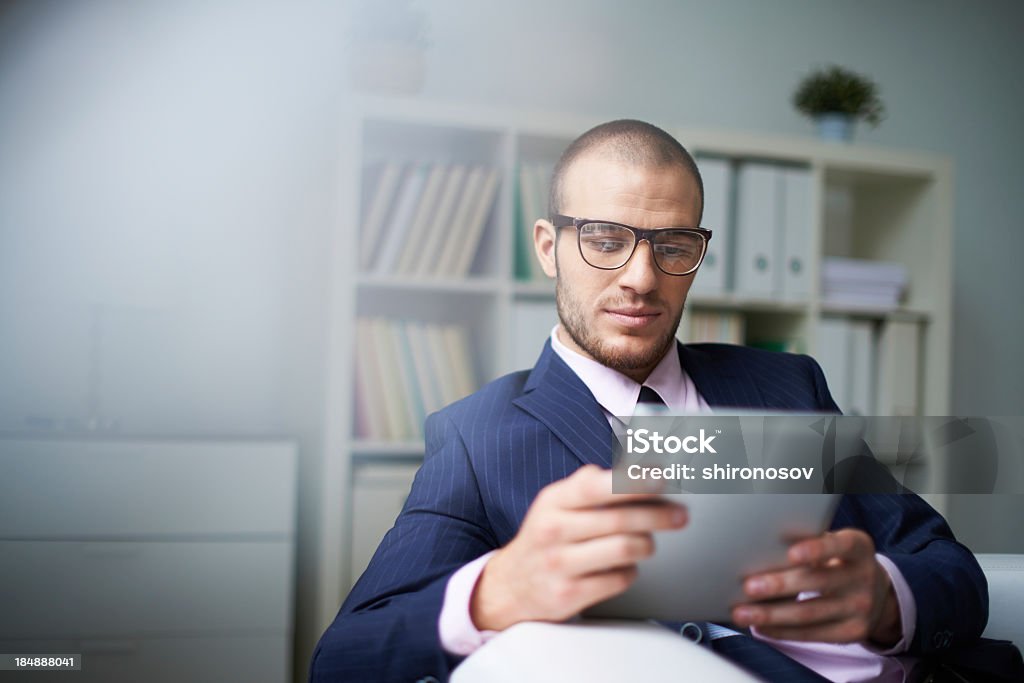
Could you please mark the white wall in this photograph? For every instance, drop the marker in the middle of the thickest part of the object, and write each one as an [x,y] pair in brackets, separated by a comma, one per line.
[167,188]
[167,179]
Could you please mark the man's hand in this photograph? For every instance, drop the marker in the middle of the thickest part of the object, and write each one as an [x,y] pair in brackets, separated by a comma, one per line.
[856,599]
[579,544]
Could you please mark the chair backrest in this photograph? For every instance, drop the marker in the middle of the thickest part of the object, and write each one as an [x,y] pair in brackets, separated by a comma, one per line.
[1005,574]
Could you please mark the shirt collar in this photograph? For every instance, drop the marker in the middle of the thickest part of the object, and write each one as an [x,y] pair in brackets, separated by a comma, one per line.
[618,394]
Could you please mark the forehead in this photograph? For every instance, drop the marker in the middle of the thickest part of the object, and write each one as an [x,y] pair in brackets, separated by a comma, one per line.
[639,195]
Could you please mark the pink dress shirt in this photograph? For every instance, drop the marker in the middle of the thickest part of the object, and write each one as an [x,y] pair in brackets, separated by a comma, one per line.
[617,395]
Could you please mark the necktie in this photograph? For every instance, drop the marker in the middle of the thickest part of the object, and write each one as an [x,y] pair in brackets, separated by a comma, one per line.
[650,399]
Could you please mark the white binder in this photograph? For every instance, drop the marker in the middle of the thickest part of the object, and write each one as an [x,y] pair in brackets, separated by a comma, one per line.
[862,367]
[798,224]
[898,372]
[758,230]
[712,277]
[833,355]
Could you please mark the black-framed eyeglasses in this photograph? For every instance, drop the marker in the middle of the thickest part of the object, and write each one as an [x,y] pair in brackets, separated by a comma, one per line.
[607,245]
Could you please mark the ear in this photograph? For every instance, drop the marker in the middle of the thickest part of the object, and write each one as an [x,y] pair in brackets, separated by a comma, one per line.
[544,237]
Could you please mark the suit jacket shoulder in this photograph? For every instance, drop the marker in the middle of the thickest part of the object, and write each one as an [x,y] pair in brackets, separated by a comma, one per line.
[744,377]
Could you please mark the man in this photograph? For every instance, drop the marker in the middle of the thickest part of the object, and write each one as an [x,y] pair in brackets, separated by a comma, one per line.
[509,518]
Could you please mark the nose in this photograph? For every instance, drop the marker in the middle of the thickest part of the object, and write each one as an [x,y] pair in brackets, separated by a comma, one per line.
[640,273]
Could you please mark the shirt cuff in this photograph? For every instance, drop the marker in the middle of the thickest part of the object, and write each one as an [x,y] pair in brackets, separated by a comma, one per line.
[459,636]
[907,606]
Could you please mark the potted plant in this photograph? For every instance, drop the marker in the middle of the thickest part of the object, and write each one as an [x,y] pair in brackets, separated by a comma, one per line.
[835,98]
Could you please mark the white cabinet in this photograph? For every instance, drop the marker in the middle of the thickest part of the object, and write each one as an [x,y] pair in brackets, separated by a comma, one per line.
[379,492]
[154,560]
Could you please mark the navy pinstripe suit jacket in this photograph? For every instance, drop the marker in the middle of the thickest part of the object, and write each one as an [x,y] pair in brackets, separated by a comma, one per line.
[489,454]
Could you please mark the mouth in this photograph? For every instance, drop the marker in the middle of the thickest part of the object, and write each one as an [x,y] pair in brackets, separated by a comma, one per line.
[633,317]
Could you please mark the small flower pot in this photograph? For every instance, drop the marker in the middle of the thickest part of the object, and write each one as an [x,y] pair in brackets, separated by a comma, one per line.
[835,127]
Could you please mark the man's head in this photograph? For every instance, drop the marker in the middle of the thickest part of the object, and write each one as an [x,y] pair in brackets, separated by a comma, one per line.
[633,173]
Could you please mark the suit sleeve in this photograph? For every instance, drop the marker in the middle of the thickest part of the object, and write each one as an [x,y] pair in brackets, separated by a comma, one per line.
[387,628]
[949,587]
[822,396]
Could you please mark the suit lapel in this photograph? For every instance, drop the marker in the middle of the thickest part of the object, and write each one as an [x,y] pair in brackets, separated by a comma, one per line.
[559,399]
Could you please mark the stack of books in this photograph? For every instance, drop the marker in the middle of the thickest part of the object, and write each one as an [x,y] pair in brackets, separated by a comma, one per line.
[405,370]
[712,326]
[424,220]
[860,283]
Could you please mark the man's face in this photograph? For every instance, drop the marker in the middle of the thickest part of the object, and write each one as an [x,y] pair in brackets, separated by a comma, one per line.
[625,319]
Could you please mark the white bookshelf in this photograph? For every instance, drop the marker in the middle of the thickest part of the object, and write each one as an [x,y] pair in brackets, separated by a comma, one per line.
[901,211]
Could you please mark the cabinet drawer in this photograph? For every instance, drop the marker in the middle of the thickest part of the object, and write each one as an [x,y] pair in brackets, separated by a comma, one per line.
[253,659]
[73,589]
[379,492]
[63,489]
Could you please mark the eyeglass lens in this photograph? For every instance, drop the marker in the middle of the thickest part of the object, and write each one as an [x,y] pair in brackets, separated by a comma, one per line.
[605,245]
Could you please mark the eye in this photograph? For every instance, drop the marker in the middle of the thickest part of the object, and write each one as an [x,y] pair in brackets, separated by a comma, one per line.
[675,251]
[604,246]
[678,245]
[605,238]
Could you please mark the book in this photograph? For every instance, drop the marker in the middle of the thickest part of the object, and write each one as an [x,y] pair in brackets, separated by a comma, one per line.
[539,178]
[863,283]
[415,237]
[448,252]
[836,269]
[475,225]
[440,361]
[413,400]
[712,327]
[391,386]
[529,210]
[400,220]
[371,419]
[377,211]
[370,383]
[460,358]
[441,223]
[429,384]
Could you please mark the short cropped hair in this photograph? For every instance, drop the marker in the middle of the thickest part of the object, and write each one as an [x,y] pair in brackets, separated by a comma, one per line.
[629,141]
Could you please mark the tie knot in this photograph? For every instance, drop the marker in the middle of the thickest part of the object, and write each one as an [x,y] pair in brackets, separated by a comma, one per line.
[650,397]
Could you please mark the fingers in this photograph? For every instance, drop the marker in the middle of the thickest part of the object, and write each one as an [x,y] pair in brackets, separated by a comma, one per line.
[829,619]
[569,597]
[788,583]
[600,554]
[846,631]
[578,545]
[846,544]
[589,486]
[603,585]
[816,611]
[582,525]
[840,567]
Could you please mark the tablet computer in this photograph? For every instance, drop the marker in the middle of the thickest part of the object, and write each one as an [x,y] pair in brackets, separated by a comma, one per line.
[697,572]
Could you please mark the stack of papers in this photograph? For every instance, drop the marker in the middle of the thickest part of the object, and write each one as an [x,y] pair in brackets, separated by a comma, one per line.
[856,282]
